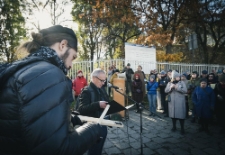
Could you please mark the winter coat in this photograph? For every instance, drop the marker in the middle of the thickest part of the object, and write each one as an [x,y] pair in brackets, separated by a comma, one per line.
[137,93]
[78,84]
[204,101]
[89,108]
[129,72]
[177,107]
[35,111]
[152,87]
[142,77]
[162,84]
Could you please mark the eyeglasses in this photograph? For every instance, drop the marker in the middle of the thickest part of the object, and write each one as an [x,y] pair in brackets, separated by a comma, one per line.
[103,81]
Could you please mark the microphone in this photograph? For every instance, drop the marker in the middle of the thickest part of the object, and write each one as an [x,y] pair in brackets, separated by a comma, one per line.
[115,87]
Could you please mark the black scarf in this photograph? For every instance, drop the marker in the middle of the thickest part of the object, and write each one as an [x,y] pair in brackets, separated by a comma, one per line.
[50,55]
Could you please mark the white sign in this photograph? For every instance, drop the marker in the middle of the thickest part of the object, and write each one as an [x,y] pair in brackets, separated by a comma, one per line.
[140,55]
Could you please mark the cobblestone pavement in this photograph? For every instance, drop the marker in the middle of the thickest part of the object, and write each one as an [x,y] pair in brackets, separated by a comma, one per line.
[157,138]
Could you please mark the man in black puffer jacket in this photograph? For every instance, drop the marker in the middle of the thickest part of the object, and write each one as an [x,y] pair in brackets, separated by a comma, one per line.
[35,98]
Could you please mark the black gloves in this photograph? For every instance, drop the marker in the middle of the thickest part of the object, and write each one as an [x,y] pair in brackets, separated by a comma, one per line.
[75,119]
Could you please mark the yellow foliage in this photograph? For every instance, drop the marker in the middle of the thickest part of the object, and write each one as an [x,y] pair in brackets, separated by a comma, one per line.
[161,56]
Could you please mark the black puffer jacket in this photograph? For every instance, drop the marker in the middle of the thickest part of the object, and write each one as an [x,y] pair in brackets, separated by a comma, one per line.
[35,114]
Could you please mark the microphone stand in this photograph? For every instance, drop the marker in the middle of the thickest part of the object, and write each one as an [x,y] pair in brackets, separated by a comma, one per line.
[140,109]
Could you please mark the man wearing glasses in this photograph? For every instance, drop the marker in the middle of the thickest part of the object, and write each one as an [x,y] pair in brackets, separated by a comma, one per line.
[95,108]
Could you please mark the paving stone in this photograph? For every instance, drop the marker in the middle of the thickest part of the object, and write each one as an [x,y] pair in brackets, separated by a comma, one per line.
[163,151]
[157,138]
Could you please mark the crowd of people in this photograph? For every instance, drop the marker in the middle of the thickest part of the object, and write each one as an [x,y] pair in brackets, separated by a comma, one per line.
[36,95]
[200,97]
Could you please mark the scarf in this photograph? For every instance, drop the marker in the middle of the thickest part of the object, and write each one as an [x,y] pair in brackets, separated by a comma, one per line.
[50,55]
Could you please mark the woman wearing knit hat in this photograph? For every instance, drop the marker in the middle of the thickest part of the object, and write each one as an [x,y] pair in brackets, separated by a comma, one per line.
[176,104]
[152,86]
[203,98]
[220,102]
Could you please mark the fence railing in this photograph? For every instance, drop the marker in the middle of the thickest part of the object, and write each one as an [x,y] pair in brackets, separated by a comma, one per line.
[88,66]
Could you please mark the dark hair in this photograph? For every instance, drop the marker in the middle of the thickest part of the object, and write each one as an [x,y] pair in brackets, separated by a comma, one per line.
[50,36]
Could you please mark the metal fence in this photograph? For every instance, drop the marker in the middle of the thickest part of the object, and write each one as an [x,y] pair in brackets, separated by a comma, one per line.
[88,66]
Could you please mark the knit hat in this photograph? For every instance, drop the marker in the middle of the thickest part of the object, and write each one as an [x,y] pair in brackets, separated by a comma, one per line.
[185,75]
[175,74]
[204,72]
[79,71]
[163,72]
[195,72]
[128,64]
[219,71]
[203,80]
[152,76]
[222,78]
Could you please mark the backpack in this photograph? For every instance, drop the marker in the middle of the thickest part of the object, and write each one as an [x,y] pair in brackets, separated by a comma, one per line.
[78,98]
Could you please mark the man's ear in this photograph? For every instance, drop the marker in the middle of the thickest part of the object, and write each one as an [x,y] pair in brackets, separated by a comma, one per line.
[63,44]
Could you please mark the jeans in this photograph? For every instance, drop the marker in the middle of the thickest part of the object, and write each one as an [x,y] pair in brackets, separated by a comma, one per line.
[152,102]
[96,149]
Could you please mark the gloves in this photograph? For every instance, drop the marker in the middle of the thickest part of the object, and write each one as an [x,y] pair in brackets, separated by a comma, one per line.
[76,120]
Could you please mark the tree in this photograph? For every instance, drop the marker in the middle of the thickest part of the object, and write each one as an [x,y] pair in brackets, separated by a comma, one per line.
[11,28]
[90,26]
[161,20]
[206,20]
[54,9]
[120,21]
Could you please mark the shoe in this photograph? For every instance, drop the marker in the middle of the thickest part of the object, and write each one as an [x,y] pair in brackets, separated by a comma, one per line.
[182,132]
[166,115]
[208,132]
[153,115]
[193,120]
[222,131]
[201,129]
[150,114]
[173,129]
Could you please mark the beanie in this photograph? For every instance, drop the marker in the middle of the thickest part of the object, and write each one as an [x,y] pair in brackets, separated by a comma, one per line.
[195,72]
[163,72]
[152,76]
[203,80]
[175,74]
[204,72]
[79,71]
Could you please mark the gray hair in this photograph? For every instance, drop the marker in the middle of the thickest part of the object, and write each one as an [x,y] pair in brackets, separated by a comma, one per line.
[96,72]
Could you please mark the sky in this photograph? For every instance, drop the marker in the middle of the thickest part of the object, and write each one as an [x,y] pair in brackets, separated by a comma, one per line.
[43,17]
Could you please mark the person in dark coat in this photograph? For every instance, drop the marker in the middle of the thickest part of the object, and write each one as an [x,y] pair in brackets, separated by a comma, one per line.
[162,85]
[35,99]
[220,102]
[95,108]
[203,98]
[137,93]
[129,72]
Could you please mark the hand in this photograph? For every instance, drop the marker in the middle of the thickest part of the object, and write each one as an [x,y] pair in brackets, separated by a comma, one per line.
[172,86]
[102,104]
[76,120]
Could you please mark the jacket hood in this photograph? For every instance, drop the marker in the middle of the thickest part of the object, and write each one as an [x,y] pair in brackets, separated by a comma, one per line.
[7,70]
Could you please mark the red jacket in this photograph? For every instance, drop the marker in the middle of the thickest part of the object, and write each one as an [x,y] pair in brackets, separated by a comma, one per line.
[78,84]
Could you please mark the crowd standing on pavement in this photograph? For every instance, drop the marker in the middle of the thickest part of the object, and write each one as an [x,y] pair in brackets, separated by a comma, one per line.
[180,96]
